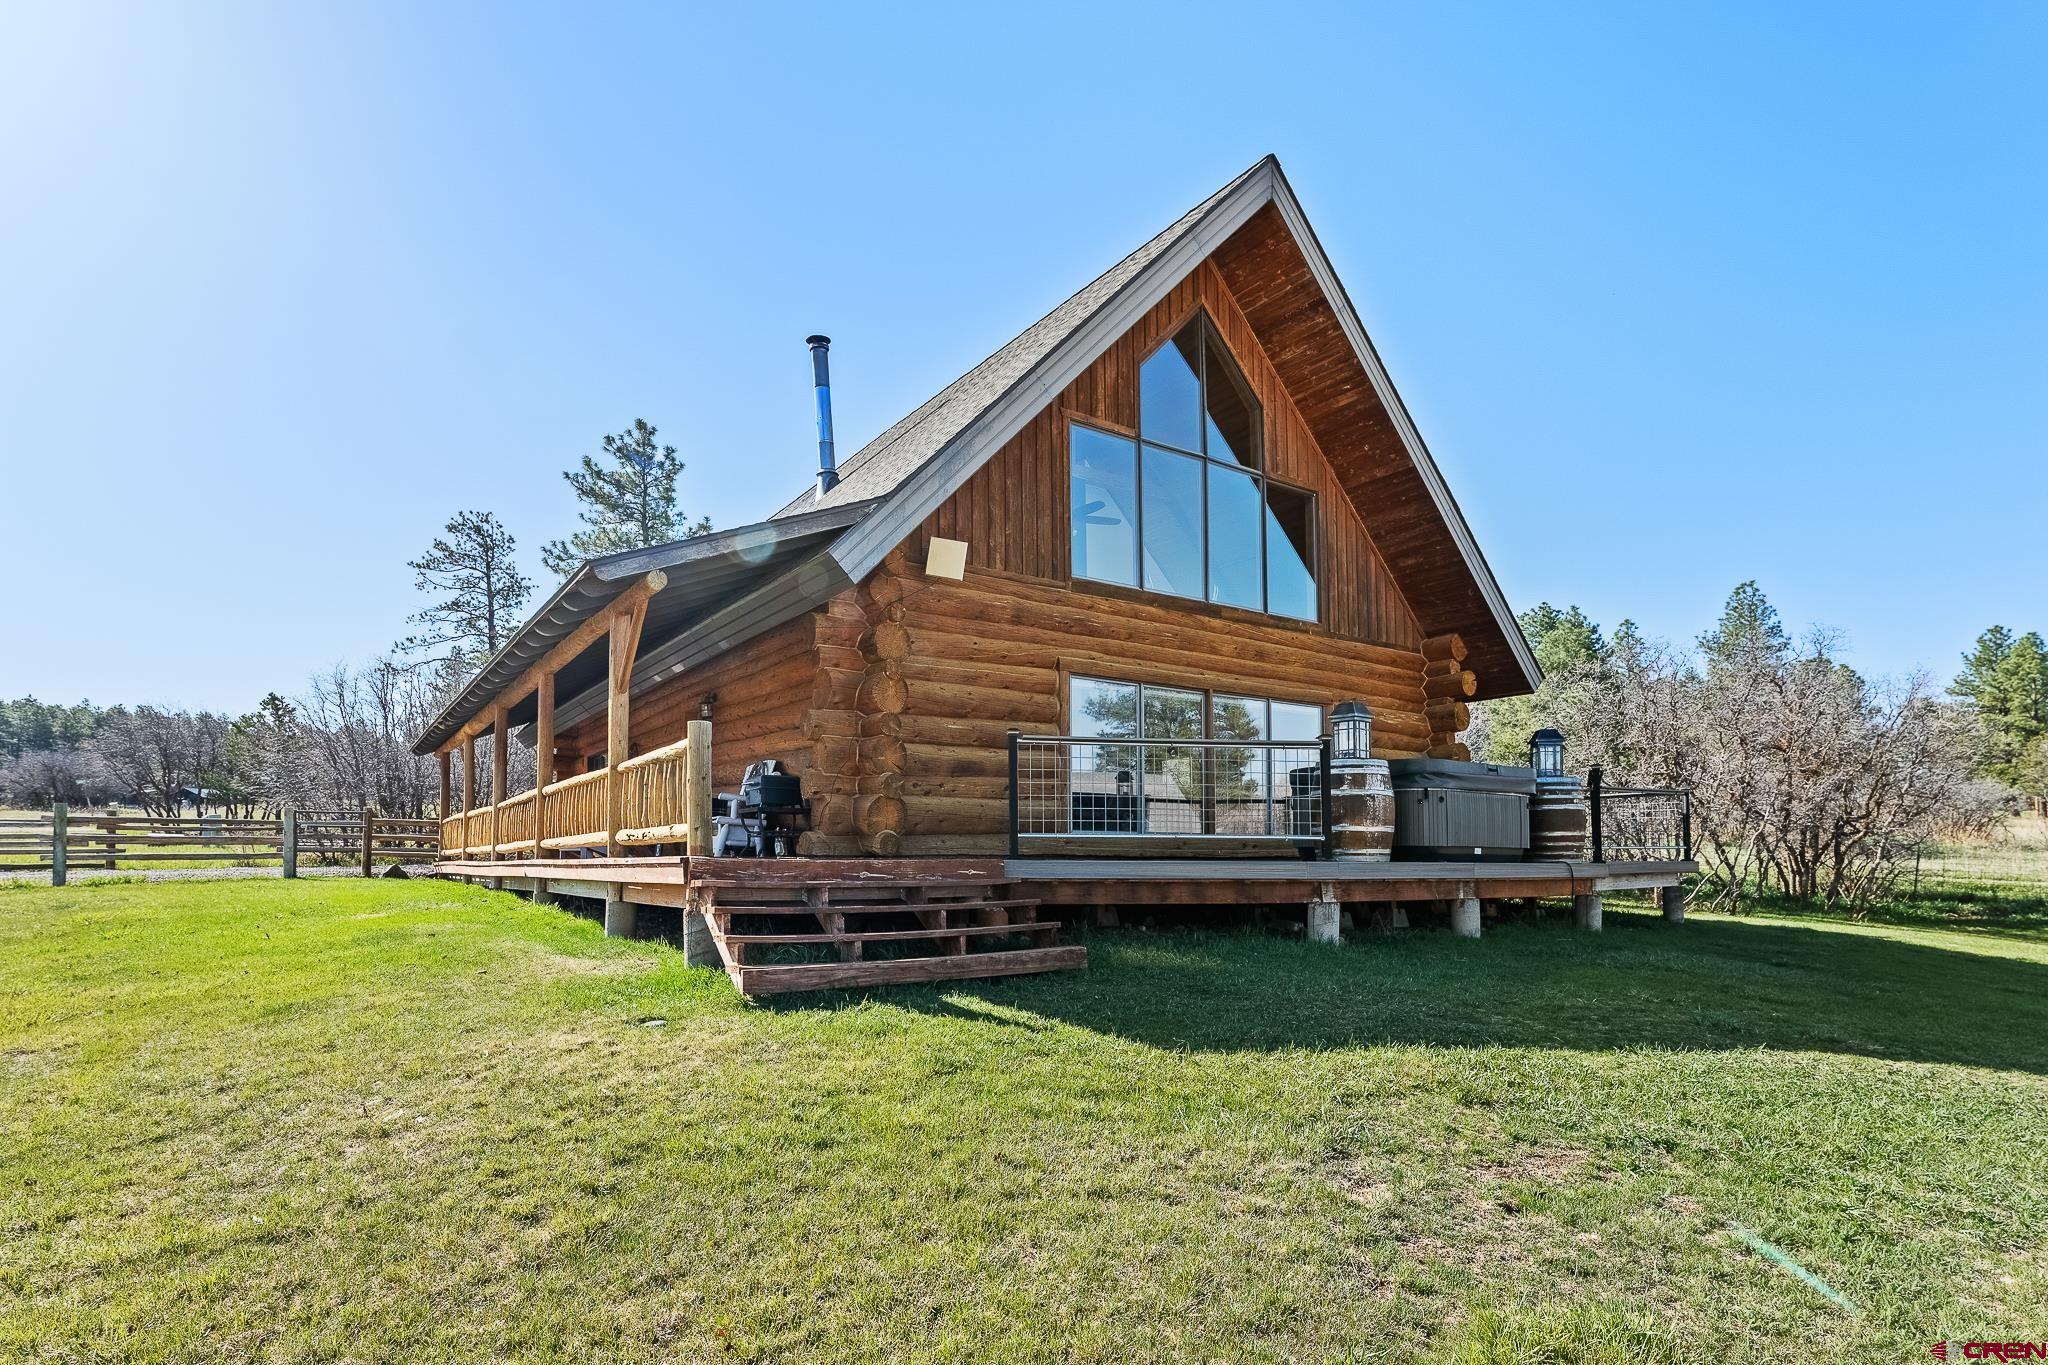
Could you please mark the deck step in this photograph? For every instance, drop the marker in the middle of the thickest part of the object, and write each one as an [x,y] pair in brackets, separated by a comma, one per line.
[824,976]
[897,935]
[893,907]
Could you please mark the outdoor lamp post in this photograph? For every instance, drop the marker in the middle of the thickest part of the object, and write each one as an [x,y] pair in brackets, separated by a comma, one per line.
[1546,753]
[1350,730]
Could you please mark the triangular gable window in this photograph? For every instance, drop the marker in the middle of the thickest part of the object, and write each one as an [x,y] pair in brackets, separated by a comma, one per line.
[1186,509]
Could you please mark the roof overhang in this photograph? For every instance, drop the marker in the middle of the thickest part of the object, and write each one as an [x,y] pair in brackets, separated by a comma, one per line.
[722,587]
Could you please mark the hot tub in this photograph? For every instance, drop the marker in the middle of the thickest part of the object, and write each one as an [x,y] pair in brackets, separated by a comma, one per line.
[1447,811]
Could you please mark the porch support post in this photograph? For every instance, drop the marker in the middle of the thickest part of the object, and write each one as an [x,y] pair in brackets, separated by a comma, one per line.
[442,810]
[1672,899]
[1588,909]
[1325,915]
[543,757]
[499,764]
[697,794]
[625,643]
[288,855]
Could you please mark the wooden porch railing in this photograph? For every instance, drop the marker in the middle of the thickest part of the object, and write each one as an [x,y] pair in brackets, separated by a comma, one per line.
[575,811]
[515,822]
[662,797]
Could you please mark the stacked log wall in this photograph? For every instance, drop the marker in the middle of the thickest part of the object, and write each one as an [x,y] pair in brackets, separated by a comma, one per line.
[955,665]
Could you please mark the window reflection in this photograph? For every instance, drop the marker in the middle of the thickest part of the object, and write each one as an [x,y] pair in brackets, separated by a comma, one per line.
[1190,512]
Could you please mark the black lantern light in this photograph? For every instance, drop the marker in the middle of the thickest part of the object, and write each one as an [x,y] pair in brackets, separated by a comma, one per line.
[1546,753]
[1350,730]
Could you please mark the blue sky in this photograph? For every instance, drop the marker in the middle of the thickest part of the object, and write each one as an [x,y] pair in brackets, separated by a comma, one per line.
[1678,296]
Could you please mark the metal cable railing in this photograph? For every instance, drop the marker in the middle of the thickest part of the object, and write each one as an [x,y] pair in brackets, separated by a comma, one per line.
[1078,787]
[1639,824]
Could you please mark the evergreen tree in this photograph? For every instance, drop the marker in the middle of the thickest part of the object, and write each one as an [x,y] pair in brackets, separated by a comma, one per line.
[628,500]
[1749,627]
[2005,679]
[1565,644]
[474,574]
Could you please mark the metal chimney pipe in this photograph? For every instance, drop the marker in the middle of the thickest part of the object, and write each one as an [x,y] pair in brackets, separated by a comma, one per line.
[821,376]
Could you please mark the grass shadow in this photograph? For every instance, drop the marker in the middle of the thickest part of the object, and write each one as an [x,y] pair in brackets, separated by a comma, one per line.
[1709,984]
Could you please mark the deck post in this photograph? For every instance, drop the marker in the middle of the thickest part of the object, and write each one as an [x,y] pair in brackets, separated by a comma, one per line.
[543,755]
[619,913]
[1015,735]
[60,834]
[1323,745]
[1325,915]
[1465,916]
[447,791]
[1588,909]
[697,795]
[1672,900]
[289,857]
[1593,776]
[369,838]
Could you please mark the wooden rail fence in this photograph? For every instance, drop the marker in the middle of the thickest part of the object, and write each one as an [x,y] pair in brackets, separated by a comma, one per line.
[64,840]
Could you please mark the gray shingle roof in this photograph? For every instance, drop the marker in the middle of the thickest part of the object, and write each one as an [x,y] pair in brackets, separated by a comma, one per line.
[883,463]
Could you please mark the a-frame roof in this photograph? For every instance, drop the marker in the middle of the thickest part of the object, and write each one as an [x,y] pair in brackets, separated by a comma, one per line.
[1268,254]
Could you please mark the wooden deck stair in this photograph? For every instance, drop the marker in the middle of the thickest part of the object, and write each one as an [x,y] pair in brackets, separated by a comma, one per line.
[835,935]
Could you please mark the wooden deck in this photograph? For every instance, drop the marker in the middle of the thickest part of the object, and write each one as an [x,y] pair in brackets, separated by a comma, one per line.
[799,924]
[1206,881]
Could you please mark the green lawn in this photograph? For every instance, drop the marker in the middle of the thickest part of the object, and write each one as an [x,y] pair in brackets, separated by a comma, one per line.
[414,1121]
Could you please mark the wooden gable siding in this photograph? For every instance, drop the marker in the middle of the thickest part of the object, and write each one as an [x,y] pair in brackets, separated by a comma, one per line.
[1013,512]
[1263,269]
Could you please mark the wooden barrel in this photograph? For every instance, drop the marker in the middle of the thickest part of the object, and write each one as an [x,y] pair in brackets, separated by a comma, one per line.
[1361,809]
[1557,821]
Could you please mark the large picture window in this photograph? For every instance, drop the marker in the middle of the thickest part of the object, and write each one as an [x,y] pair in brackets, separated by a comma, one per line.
[1167,788]
[1186,508]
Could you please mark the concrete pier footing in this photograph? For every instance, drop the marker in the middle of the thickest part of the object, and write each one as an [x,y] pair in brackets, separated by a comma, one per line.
[619,918]
[698,949]
[1465,917]
[1587,908]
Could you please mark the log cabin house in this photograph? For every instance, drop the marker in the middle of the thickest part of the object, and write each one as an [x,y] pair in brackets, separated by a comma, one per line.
[1069,635]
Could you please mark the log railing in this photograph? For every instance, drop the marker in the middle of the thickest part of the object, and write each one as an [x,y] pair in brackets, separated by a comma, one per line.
[654,790]
[573,811]
[663,796]
[515,822]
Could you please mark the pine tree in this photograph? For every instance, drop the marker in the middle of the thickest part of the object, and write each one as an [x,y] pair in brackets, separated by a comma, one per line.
[474,572]
[629,502]
[2005,679]
[1563,642]
[1748,627]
